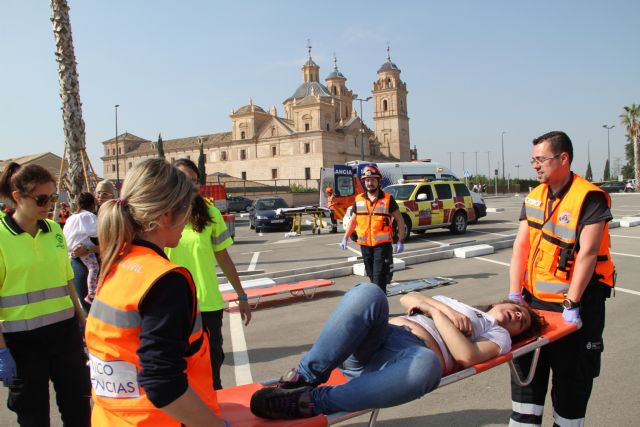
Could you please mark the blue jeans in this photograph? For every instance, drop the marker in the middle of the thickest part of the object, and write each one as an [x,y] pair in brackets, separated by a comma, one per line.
[80,273]
[386,364]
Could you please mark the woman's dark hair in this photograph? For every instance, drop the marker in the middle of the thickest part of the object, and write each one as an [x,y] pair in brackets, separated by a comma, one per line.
[537,321]
[199,210]
[86,201]
[23,179]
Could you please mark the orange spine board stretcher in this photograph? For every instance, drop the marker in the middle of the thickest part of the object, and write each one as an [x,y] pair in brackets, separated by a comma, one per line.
[234,401]
[306,288]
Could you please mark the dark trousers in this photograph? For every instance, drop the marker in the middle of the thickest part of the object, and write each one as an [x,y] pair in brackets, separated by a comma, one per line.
[55,353]
[572,362]
[80,273]
[334,223]
[212,321]
[378,263]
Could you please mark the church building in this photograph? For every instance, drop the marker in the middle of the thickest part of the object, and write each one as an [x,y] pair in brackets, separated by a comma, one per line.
[319,127]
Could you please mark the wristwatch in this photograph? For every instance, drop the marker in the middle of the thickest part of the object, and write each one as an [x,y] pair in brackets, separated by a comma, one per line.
[569,304]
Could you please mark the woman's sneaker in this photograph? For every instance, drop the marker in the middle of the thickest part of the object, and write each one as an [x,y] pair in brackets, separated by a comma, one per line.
[277,403]
[292,379]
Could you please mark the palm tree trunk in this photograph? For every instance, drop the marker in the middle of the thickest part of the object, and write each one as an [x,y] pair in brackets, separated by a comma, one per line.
[74,131]
[636,159]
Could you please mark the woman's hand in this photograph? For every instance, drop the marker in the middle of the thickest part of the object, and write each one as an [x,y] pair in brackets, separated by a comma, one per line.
[245,311]
[460,321]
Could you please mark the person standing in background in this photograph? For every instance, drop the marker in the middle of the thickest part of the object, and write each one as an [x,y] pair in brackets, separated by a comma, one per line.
[331,202]
[372,214]
[204,243]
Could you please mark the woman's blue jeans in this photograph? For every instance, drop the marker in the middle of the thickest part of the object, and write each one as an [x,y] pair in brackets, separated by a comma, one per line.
[386,364]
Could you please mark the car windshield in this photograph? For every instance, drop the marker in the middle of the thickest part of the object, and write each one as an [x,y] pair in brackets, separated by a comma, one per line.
[400,192]
[270,204]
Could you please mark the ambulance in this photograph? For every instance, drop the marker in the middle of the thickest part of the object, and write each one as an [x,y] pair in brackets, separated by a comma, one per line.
[345,180]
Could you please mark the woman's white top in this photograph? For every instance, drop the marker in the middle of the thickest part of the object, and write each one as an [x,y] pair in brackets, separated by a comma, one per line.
[79,228]
[482,324]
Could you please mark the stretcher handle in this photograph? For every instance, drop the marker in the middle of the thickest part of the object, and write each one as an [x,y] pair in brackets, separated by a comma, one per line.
[532,370]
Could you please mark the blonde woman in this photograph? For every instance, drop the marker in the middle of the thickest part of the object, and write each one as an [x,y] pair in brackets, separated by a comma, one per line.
[149,357]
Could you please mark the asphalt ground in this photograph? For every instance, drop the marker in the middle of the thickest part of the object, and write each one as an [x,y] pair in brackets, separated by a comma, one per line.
[284,328]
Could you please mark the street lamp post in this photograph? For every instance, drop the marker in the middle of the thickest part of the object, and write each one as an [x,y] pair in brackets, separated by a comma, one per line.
[502,139]
[476,163]
[362,126]
[608,128]
[117,150]
[517,171]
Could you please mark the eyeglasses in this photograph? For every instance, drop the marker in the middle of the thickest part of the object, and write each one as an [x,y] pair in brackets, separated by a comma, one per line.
[541,160]
[43,200]
[105,194]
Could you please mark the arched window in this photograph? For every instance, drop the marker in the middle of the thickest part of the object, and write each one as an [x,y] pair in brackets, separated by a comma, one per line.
[334,90]
[242,135]
[389,83]
[273,131]
[328,127]
[384,105]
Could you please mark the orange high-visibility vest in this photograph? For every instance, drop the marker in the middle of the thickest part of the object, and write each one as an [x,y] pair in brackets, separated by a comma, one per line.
[552,238]
[373,220]
[331,201]
[113,337]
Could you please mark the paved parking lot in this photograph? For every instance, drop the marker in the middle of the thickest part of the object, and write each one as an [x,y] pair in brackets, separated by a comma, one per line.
[282,329]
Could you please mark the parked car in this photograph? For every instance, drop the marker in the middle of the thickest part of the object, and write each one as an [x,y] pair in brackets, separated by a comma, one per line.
[238,203]
[262,214]
[613,186]
[630,186]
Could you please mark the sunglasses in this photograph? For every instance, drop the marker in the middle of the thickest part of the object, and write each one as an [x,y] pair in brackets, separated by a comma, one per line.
[43,200]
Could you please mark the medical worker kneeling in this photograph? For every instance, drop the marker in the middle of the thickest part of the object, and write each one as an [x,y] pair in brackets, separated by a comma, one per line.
[149,356]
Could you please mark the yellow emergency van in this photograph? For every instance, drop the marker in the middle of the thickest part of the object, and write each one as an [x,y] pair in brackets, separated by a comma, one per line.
[433,204]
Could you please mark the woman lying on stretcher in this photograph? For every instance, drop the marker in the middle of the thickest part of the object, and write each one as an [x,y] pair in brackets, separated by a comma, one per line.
[389,362]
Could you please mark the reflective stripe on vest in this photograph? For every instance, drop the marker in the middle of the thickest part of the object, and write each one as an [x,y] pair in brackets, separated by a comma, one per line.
[545,278]
[37,322]
[373,221]
[216,240]
[34,296]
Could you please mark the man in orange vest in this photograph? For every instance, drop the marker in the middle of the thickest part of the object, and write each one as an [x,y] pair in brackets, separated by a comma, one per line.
[561,262]
[331,201]
[371,220]
[63,214]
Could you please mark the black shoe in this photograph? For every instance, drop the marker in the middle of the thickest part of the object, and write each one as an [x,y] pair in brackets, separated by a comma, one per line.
[292,379]
[277,403]
[333,231]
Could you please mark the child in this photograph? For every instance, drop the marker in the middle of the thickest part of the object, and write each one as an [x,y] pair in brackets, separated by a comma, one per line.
[78,230]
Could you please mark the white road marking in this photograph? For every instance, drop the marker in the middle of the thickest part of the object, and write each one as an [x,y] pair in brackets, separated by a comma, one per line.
[625,237]
[355,251]
[481,258]
[241,365]
[621,254]
[432,241]
[249,253]
[486,232]
[629,291]
[254,261]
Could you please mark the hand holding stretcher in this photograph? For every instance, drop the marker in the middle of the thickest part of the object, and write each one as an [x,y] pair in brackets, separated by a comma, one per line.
[234,401]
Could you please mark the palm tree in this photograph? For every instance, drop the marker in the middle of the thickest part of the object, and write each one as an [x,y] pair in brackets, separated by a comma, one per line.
[74,134]
[631,120]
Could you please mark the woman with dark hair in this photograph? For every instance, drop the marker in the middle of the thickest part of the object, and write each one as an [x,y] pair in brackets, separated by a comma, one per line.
[147,350]
[39,310]
[391,361]
[204,242]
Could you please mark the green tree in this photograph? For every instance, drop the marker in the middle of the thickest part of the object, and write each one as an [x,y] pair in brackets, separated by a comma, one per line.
[605,176]
[631,120]
[589,175]
[627,169]
[201,166]
[160,146]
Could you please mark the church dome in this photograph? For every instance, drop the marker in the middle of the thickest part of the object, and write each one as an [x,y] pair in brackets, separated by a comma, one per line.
[249,108]
[387,66]
[335,74]
[311,89]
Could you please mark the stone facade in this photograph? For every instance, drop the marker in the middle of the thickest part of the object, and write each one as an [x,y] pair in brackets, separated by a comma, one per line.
[320,128]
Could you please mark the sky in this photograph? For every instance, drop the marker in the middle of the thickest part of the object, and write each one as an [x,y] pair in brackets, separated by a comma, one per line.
[473,69]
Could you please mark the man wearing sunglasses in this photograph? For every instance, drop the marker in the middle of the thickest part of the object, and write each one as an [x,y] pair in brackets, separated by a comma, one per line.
[561,262]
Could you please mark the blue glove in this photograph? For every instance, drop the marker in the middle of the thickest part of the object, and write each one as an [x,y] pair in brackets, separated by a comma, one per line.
[227,424]
[7,366]
[343,244]
[572,315]
[516,297]
[399,247]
